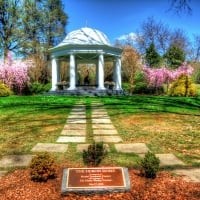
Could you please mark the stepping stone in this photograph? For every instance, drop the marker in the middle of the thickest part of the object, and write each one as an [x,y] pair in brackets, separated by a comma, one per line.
[105,132]
[76,116]
[98,112]
[78,113]
[76,121]
[103,126]
[190,174]
[50,147]
[65,139]
[3,173]
[138,148]
[169,160]
[108,139]
[75,126]
[78,109]
[81,147]
[101,121]
[16,161]
[73,132]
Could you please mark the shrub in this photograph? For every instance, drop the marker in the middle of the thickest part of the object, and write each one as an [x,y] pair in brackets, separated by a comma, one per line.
[47,87]
[183,86]
[36,88]
[140,84]
[94,154]
[4,90]
[42,167]
[149,165]
[127,87]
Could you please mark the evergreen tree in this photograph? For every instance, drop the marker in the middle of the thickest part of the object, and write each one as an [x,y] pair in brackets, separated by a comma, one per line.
[174,56]
[10,25]
[153,59]
[44,23]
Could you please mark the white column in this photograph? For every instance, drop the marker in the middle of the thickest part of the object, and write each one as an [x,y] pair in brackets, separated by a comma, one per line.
[54,72]
[97,74]
[117,72]
[101,73]
[72,73]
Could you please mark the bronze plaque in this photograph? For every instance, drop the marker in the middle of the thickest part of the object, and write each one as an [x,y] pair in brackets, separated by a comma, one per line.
[95,177]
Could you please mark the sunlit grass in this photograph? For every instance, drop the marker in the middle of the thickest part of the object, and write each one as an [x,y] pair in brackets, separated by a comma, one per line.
[165,124]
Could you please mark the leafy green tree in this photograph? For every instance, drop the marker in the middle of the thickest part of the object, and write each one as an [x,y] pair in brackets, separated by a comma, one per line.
[44,24]
[153,59]
[174,56]
[10,25]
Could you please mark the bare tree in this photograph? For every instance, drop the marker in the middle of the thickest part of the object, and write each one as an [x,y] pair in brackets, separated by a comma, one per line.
[179,38]
[179,6]
[153,32]
[130,63]
[195,50]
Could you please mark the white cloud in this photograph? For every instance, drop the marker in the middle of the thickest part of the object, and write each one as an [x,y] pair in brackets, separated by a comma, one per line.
[131,36]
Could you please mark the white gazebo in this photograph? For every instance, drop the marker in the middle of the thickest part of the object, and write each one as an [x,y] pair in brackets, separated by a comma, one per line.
[90,46]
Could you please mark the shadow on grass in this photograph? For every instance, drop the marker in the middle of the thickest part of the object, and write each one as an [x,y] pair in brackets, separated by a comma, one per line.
[135,104]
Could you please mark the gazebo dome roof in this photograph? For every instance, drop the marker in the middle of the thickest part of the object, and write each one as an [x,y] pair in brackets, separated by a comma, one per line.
[85,36]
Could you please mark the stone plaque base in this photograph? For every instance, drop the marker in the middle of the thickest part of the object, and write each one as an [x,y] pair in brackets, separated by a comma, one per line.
[95,180]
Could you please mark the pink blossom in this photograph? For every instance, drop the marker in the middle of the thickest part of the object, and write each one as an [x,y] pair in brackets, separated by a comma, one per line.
[14,73]
[157,77]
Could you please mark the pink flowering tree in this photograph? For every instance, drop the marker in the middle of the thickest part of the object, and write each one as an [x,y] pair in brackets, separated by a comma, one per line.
[159,76]
[14,73]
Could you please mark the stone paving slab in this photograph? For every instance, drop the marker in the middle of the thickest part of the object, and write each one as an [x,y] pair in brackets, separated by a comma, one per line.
[169,160]
[3,173]
[98,112]
[189,174]
[99,115]
[76,116]
[16,161]
[103,126]
[78,109]
[67,139]
[75,126]
[101,121]
[138,148]
[78,113]
[108,139]
[74,132]
[76,121]
[105,132]
[50,147]
[81,147]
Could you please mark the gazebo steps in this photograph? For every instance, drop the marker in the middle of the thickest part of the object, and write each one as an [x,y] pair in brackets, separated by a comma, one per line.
[82,92]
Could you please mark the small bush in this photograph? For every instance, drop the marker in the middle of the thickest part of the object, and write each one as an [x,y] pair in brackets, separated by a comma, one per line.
[94,154]
[4,90]
[140,88]
[183,87]
[149,165]
[47,87]
[42,167]
[36,88]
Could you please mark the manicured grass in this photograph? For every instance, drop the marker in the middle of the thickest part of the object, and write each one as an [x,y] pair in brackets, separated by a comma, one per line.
[25,121]
[166,124]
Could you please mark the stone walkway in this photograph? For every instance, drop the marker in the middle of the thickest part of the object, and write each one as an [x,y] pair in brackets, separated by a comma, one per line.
[75,131]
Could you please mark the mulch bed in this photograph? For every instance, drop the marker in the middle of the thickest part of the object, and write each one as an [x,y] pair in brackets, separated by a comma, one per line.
[18,186]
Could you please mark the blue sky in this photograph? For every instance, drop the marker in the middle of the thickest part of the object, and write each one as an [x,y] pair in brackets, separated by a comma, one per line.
[117,18]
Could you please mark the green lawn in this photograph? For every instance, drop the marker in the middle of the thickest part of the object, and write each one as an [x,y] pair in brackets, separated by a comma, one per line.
[165,124]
